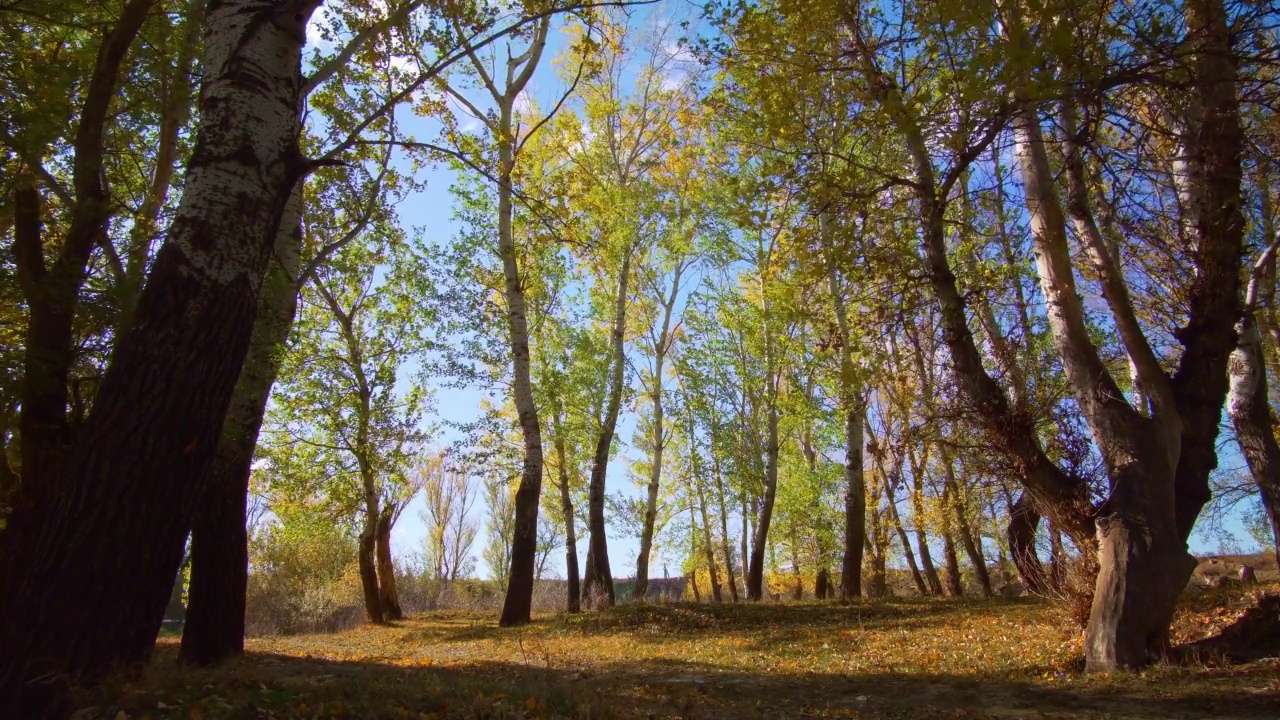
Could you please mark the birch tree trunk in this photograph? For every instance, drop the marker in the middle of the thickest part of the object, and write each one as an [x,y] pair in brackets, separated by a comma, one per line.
[1248,404]
[518,602]
[79,604]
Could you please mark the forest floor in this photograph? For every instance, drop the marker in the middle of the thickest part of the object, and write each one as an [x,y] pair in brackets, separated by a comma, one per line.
[903,658]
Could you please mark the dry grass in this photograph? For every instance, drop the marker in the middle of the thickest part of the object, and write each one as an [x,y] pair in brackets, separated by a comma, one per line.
[899,659]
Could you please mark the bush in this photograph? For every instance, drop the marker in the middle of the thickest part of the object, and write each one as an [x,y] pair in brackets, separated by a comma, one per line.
[303,577]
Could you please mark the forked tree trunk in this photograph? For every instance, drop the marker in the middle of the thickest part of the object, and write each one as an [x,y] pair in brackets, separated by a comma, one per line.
[660,347]
[599,580]
[918,518]
[518,602]
[907,552]
[954,584]
[1143,562]
[708,542]
[81,604]
[388,595]
[214,629]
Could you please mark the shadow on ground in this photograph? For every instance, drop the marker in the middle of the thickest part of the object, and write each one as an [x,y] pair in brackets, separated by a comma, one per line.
[282,686]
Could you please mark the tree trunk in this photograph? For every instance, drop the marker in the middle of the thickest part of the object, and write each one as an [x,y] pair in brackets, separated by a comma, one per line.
[388,597]
[755,571]
[655,472]
[81,604]
[566,508]
[954,585]
[214,630]
[746,535]
[972,549]
[708,542]
[518,603]
[855,493]
[366,555]
[1021,534]
[599,574]
[906,543]
[918,518]
[1249,409]
[798,591]
[726,546]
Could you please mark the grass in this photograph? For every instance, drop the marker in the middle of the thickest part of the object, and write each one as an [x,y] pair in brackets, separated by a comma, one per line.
[897,659]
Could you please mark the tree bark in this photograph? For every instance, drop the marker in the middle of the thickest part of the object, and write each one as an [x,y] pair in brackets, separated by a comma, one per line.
[954,584]
[910,555]
[660,347]
[366,555]
[1216,151]
[388,596]
[214,629]
[708,542]
[80,604]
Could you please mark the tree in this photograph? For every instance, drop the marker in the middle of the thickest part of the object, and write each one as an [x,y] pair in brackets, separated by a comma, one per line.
[449,494]
[160,406]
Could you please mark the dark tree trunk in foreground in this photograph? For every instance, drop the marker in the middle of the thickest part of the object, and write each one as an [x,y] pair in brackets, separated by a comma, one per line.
[214,630]
[953,583]
[87,589]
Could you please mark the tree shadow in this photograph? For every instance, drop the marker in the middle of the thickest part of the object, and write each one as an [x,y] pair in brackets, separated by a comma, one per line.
[286,686]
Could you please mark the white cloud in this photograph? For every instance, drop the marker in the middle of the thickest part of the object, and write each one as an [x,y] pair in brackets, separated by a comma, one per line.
[680,53]
[524,103]
[319,20]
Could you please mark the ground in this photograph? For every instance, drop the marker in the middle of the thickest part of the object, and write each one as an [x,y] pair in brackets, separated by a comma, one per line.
[1007,658]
